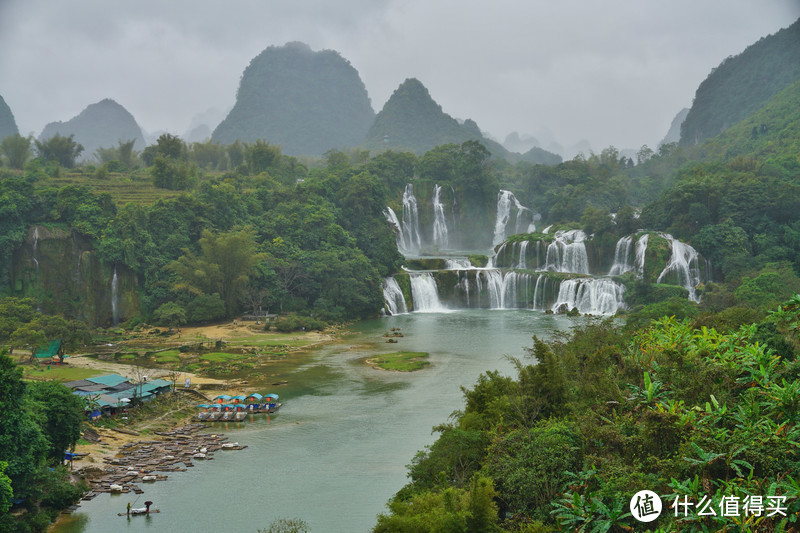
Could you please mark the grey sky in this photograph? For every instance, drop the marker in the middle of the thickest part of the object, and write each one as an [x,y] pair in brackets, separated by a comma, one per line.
[612,72]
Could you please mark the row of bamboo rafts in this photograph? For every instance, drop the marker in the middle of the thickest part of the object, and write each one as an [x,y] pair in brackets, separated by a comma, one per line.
[233,415]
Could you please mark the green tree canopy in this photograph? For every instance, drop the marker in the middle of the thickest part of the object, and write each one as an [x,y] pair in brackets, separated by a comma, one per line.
[224,266]
[60,149]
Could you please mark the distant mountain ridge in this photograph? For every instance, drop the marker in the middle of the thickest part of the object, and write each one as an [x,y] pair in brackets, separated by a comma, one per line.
[412,120]
[100,125]
[307,102]
[741,85]
[8,126]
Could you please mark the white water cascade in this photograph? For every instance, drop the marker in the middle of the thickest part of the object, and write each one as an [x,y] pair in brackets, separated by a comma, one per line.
[567,253]
[596,296]
[683,264]
[440,237]
[36,246]
[524,218]
[393,296]
[400,238]
[622,252]
[115,297]
[458,263]
[424,293]
[641,249]
[412,241]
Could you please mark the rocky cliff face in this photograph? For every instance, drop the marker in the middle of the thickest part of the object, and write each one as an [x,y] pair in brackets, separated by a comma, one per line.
[60,269]
[307,102]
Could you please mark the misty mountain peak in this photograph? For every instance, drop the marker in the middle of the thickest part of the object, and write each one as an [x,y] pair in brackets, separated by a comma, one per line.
[99,125]
[8,126]
[305,101]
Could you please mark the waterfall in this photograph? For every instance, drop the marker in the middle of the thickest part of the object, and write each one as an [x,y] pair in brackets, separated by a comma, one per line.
[621,254]
[458,263]
[439,219]
[524,218]
[641,249]
[684,265]
[596,296]
[502,290]
[115,297]
[539,292]
[567,253]
[36,246]
[463,283]
[410,226]
[424,293]
[523,247]
[400,238]
[393,297]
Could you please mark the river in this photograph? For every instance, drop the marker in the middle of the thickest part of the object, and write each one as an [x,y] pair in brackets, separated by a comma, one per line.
[336,451]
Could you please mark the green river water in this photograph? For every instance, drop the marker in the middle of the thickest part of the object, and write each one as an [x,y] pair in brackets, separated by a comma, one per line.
[336,451]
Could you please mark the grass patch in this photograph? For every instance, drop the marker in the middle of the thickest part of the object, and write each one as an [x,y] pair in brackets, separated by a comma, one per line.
[400,361]
[221,357]
[169,356]
[58,372]
[272,340]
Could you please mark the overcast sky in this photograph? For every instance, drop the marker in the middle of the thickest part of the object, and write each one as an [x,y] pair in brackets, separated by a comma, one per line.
[613,72]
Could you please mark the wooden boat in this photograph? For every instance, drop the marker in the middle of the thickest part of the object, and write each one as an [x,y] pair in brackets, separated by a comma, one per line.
[140,511]
[213,415]
[238,416]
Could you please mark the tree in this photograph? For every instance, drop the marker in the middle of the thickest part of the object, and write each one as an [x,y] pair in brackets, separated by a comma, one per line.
[286,525]
[224,266]
[63,414]
[22,444]
[17,150]
[6,492]
[169,174]
[170,314]
[261,156]
[644,154]
[60,149]
[123,152]
[28,335]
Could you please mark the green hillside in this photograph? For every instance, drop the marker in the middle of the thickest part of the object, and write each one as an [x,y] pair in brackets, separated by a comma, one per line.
[742,84]
[773,130]
[307,102]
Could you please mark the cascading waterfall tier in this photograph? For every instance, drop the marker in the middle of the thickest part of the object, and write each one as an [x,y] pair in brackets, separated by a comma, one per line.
[641,250]
[400,238]
[504,289]
[683,267]
[512,217]
[567,253]
[622,253]
[425,293]
[412,239]
[596,296]
[393,296]
[440,235]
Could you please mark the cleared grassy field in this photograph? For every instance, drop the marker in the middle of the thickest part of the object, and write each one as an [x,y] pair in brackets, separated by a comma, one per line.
[59,373]
[123,188]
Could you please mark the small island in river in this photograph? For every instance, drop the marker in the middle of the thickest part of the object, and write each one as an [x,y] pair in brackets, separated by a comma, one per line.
[400,361]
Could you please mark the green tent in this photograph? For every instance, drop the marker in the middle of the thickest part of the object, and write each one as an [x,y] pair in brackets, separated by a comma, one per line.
[51,350]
